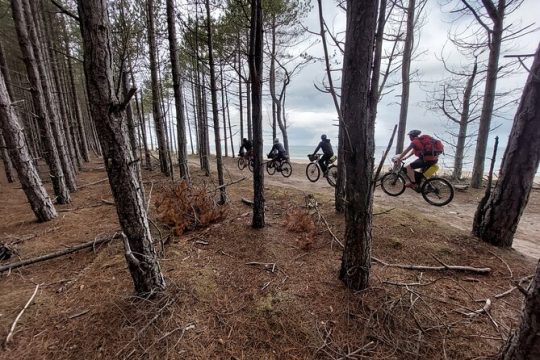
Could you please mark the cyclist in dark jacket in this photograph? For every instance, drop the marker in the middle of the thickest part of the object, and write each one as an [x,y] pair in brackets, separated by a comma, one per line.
[328,152]
[278,151]
[247,146]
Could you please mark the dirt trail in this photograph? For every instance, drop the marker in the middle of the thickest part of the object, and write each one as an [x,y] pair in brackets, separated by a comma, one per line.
[459,213]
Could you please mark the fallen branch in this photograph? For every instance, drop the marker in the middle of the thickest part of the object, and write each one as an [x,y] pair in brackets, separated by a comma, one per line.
[247,202]
[93,183]
[108,202]
[485,309]
[12,329]
[267,266]
[56,254]
[228,184]
[383,212]
[509,291]
[435,268]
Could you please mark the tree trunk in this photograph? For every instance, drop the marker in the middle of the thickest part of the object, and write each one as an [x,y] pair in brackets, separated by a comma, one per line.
[159,121]
[41,54]
[463,124]
[75,100]
[129,115]
[229,120]
[405,76]
[222,85]
[107,113]
[31,183]
[497,17]
[524,343]
[215,111]
[240,93]
[498,218]
[50,151]
[256,71]
[359,142]
[8,167]
[178,97]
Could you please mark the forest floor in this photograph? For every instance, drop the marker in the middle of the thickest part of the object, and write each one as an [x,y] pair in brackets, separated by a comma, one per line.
[238,293]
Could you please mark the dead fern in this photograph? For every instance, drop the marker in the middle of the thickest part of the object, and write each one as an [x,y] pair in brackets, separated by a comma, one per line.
[301,220]
[186,208]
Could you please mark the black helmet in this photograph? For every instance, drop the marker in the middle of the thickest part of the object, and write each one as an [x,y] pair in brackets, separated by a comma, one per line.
[323,137]
[414,133]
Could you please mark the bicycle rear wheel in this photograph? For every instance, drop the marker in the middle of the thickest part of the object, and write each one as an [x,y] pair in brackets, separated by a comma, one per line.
[286,168]
[393,184]
[331,175]
[241,163]
[437,191]
[250,165]
[313,172]
[271,167]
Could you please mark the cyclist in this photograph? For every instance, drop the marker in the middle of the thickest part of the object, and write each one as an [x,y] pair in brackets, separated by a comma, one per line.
[415,148]
[277,152]
[247,146]
[328,152]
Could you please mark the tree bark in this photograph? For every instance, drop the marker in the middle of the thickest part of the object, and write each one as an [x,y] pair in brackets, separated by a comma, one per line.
[107,113]
[31,183]
[50,151]
[159,121]
[497,220]
[256,71]
[463,124]
[497,17]
[358,142]
[8,167]
[178,96]
[215,111]
[524,343]
[405,76]
[51,104]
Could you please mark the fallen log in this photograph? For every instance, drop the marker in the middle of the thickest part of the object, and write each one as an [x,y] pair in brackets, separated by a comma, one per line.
[89,244]
[435,268]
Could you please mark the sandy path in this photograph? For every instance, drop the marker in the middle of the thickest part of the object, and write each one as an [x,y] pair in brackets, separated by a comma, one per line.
[459,213]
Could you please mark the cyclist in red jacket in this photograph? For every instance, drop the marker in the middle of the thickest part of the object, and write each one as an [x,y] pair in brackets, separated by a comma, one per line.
[415,148]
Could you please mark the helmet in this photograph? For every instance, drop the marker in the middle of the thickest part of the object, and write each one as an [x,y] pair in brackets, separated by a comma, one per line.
[323,137]
[414,133]
[276,140]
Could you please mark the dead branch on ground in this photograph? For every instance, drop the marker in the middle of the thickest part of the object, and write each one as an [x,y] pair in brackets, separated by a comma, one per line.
[12,329]
[93,183]
[86,245]
[435,268]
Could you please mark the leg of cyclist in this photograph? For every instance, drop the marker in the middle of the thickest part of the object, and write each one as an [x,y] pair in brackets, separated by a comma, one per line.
[323,163]
[416,164]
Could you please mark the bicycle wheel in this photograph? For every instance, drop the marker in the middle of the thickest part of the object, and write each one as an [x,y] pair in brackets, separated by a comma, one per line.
[437,191]
[286,168]
[250,165]
[313,172]
[393,184]
[241,163]
[271,167]
[331,175]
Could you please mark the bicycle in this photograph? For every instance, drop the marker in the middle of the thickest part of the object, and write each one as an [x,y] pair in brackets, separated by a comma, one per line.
[283,166]
[435,190]
[245,160]
[313,170]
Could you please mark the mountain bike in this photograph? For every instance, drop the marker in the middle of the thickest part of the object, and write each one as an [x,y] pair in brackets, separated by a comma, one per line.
[245,161]
[435,190]
[313,170]
[283,166]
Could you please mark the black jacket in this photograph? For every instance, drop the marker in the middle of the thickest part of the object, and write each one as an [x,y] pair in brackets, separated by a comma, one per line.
[326,147]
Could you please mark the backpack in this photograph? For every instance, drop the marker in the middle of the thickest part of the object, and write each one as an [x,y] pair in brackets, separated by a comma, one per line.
[431,148]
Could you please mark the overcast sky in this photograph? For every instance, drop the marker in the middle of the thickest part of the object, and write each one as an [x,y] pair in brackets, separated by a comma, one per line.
[310,112]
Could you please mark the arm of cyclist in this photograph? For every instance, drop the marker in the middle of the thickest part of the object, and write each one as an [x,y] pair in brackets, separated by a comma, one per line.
[407,153]
[317,149]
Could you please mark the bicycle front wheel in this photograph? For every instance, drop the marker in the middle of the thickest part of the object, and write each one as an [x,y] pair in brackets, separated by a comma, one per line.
[437,191]
[286,169]
[393,184]
[271,167]
[331,175]
[313,172]
[241,163]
